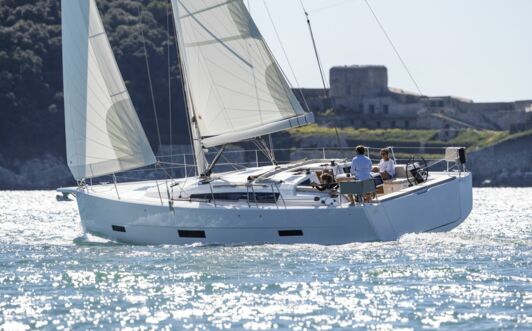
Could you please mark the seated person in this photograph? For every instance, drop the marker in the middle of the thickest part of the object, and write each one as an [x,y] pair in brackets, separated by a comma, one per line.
[326,181]
[361,164]
[313,178]
[386,167]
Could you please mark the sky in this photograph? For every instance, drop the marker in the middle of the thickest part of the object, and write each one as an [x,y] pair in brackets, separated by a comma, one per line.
[476,49]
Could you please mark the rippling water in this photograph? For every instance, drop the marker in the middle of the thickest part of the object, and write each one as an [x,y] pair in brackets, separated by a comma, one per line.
[479,276]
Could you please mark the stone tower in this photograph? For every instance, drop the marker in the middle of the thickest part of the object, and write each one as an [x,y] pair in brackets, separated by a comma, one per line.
[351,84]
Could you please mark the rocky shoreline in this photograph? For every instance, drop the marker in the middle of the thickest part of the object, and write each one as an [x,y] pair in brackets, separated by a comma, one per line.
[507,163]
[47,172]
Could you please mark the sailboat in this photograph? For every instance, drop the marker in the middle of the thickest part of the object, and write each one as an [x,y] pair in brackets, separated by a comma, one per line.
[235,91]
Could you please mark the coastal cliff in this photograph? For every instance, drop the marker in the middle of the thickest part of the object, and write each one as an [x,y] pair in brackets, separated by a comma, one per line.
[506,163]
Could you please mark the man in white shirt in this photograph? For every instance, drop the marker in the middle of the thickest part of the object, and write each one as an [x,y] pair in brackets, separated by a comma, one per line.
[386,165]
[361,165]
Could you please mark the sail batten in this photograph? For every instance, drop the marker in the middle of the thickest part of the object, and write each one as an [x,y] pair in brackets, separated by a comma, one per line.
[236,87]
[103,132]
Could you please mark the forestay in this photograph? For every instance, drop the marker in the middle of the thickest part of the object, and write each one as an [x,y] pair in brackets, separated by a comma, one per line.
[103,132]
[236,89]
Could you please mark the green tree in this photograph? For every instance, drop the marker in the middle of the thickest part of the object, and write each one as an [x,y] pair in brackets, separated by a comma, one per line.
[31,88]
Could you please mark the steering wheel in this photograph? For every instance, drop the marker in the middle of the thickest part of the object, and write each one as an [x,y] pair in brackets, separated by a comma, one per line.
[417,171]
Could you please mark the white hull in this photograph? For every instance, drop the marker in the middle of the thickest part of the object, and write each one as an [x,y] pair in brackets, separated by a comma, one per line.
[436,206]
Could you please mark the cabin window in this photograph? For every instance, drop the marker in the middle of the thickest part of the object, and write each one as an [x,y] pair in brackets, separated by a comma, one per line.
[119,228]
[290,233]
[191,233]
[258,197]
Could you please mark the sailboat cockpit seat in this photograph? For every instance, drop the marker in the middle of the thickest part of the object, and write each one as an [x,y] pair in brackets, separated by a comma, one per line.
[400,171]
[397,183]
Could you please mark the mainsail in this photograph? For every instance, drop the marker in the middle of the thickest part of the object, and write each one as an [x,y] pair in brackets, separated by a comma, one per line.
[103,132]
[236,89]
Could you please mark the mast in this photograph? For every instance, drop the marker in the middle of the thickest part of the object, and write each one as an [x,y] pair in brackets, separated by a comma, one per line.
[199,154]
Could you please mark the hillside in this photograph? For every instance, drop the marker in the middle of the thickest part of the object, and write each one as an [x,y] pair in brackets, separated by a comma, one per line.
[31,99]
[467,138]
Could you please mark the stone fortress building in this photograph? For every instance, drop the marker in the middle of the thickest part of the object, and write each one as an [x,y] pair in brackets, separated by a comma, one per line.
[359,96]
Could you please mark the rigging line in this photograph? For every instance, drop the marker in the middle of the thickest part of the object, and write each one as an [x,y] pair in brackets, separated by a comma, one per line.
[233,164]
[263,147]
[315,49]
[168,41]
[319,63]
[149,77]
[286,56]
[393,46]
[267,148]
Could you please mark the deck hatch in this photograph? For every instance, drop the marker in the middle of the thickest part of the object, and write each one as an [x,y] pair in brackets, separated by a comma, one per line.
[119,228]
[290,233]
[191,233]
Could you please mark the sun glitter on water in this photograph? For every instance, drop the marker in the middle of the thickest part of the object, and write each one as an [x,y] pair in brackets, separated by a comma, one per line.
[478,276]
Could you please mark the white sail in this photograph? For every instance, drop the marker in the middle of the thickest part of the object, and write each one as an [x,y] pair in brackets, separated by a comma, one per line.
[236,89]
[103,132]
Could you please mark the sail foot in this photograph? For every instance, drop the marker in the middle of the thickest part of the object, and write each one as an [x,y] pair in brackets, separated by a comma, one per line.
[294,122]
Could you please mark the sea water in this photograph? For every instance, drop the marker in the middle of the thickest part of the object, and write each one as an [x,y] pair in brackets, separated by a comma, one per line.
[476,277]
